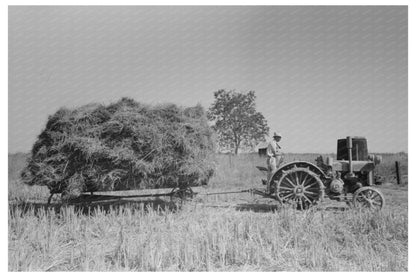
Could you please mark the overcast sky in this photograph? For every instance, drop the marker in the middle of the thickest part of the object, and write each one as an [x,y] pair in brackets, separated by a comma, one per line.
[320,73]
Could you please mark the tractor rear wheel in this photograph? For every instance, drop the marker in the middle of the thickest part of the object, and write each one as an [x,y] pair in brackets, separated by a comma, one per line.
[300,187]
[368,197]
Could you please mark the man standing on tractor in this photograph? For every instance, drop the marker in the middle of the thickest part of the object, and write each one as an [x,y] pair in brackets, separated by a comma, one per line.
[274,155]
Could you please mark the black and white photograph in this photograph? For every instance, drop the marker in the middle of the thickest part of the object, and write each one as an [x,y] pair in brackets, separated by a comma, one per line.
[213,138]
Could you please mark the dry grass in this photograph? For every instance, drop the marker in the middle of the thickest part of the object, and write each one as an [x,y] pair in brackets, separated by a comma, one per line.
[120,146]
[235,232]
[202,238]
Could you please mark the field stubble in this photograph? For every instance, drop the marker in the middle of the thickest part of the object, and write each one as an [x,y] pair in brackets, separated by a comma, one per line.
[213,233]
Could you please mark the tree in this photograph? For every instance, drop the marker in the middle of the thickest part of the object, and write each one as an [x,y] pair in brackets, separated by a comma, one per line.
[237,122]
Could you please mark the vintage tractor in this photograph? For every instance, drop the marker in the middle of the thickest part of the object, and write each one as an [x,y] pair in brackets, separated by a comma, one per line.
[349,178]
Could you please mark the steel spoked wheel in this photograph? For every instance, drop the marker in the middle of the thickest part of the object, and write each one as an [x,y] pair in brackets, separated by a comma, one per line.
[179,195]
[368,197]
[300,187]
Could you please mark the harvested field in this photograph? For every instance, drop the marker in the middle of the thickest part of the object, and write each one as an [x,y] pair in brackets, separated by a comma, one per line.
[237,232]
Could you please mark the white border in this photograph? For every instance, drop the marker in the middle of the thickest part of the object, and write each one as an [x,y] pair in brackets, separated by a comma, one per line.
[4,106]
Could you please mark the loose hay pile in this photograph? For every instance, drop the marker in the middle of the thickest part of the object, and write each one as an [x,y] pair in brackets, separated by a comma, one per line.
[125,145]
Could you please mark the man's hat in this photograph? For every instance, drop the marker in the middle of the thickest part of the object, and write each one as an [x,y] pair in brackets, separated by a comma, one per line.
[277,135]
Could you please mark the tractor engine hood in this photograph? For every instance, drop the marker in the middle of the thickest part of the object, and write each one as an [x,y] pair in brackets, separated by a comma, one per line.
[363,166]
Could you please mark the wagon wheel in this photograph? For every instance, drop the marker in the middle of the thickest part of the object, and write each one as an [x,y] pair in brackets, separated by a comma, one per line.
[300,187]
[368,197]
[180,194]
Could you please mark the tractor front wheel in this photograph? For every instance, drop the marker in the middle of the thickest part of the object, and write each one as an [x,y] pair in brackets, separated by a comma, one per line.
[368,197]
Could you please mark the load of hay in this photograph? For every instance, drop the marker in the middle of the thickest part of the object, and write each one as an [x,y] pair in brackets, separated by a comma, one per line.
[125,145]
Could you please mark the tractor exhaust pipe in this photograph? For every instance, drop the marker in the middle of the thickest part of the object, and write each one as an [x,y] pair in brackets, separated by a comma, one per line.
[349,147]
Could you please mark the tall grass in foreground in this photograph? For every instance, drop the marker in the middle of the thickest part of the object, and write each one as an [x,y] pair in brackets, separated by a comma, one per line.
[206,239]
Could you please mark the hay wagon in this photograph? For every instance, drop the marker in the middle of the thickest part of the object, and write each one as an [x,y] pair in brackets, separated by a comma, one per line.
[350,178]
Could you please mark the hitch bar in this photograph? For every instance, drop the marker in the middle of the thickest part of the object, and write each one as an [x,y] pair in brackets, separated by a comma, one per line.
[251,191]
